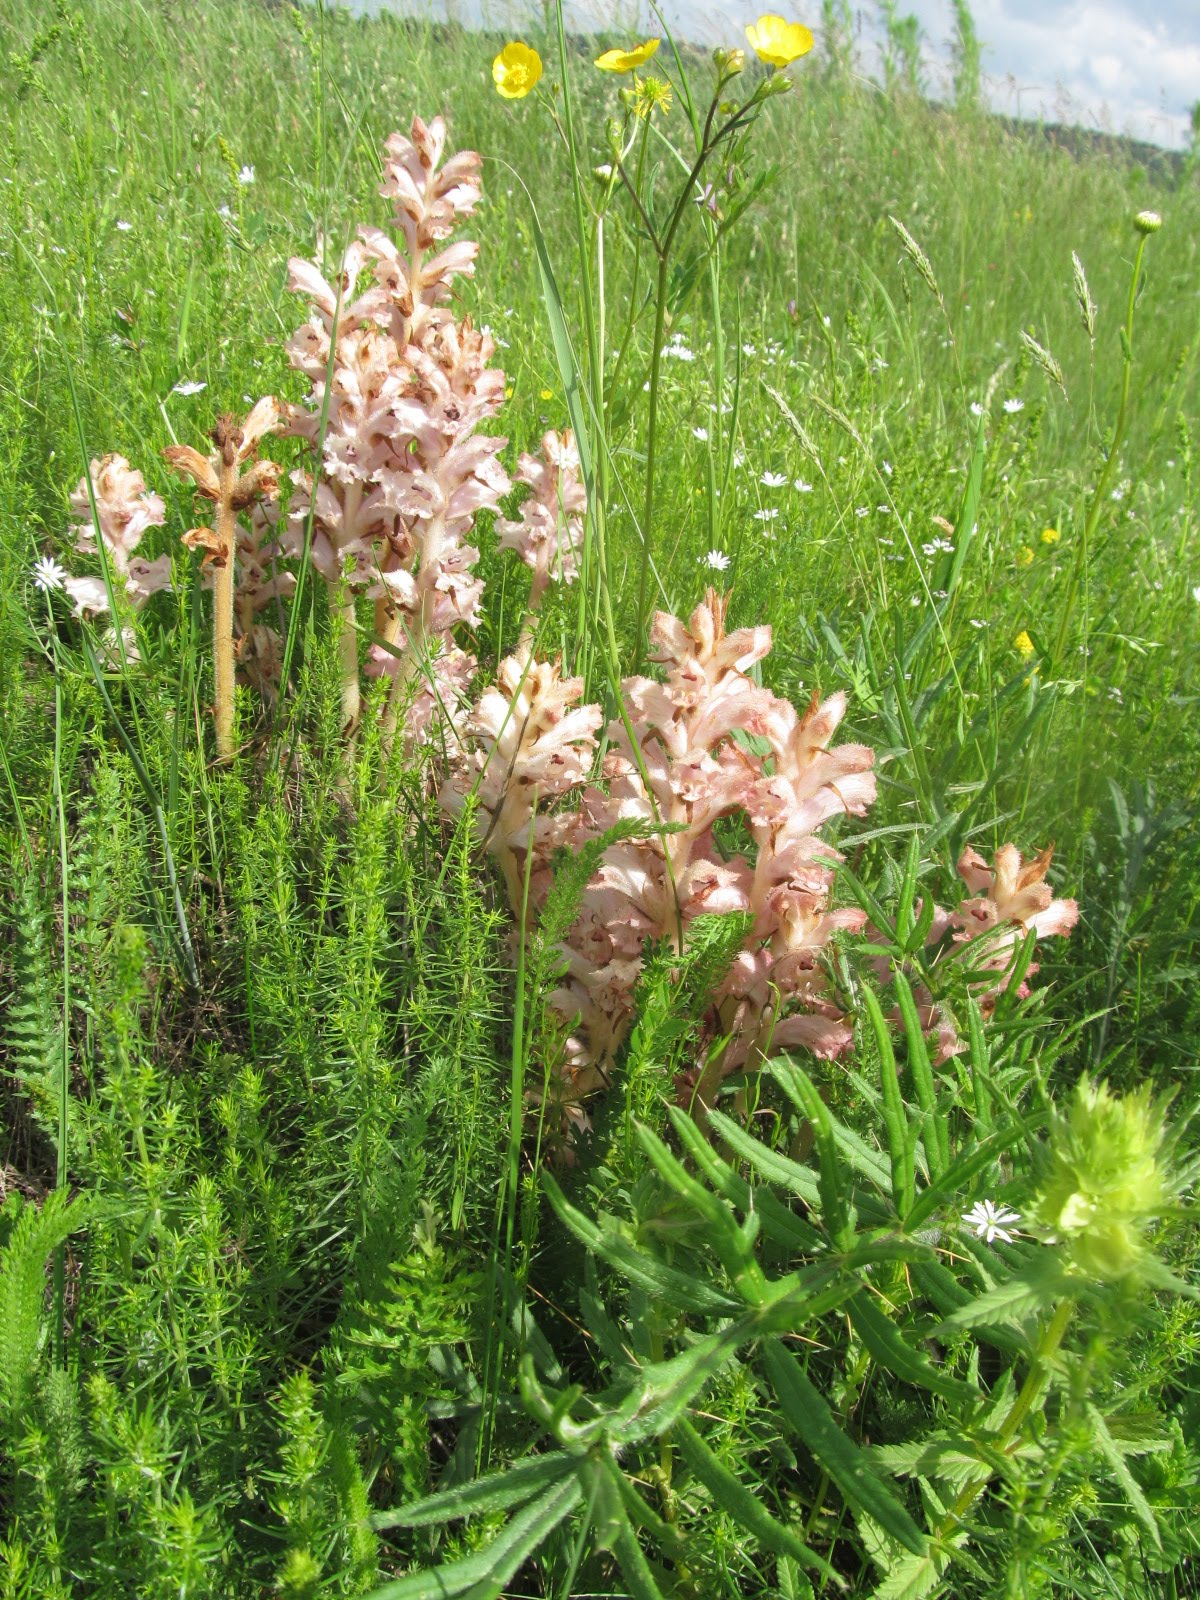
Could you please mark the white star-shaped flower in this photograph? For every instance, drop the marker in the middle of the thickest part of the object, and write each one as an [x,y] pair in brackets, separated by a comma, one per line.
[991,1222]
[48,575]
[717,560]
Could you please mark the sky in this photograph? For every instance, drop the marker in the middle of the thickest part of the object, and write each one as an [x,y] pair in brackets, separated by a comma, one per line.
[1128,66]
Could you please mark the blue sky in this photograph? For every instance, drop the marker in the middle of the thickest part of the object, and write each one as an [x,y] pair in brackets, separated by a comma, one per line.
[1118,64]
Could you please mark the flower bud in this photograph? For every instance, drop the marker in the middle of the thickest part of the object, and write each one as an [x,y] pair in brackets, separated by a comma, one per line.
[729,62]
[1147,222]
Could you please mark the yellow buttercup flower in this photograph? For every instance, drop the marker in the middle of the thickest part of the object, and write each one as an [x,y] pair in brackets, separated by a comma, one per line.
[547,394]
[778,42]
[516,70]
[1024,556]
[627,60]
[1049,535]
[1023,644]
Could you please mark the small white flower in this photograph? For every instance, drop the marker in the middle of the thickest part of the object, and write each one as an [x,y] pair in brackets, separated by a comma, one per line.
[862,511]
[976,409]
[701,434]
[717,560]
[884,510]
[224,211]
[48,575]
[1115,694]
[886,466]
[767,514]
[749,351]
[189,386]
[803,488]
[773,480]
[124,227]
[1196,594]
[246,177]
[991,1221]
[828,321]
[1013,406]
[739,459]
[915,601]
[978,622]
[935,546]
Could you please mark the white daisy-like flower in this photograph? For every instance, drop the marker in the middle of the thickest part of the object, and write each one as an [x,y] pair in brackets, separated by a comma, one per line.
[992,1222]
[773,480]
[976,409]
[749,351]
[48,575]
[1013,406]
[189,386]
[246,177]
[937,546]
[767,514]
[124,227]
[801,487]
[717,560]
[701,434]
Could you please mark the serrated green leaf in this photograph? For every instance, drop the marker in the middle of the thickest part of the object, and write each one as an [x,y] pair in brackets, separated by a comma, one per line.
[1011,1302]
[1134,1492]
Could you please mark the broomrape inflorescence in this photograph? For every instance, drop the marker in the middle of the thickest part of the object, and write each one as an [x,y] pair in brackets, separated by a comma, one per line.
[696,758]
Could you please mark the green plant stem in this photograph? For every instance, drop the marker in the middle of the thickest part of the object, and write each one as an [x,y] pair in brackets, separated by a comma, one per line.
[1079,566]
[1029,1395]
[60,1174]
[660,318]
[223,576]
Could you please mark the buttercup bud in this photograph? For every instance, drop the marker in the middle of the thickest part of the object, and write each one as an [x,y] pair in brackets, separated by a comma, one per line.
[729,62]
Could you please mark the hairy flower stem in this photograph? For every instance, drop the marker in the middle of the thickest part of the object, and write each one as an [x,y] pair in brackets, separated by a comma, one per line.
[341,609]
[223,575]
[1029,1396]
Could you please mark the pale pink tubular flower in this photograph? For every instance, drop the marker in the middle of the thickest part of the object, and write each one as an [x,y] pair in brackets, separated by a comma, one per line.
[125,508]
[691,768]
[1010,900]
[402,473]
[532,744]
[547,532]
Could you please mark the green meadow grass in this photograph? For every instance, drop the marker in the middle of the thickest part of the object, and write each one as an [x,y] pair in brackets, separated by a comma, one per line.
[287,1281]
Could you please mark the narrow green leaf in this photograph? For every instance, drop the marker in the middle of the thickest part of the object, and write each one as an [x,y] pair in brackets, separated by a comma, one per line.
[803,1093]
[774,1167]
[901,1139]
[494,1493]
[498,1562]
[891,1350]
[745,1508]
[847,1464]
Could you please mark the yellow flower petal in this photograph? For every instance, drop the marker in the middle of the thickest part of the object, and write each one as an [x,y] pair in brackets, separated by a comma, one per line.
[1023,644]
[778,42]
[627,60]
[516,70]
[1049,535]
[1024,556]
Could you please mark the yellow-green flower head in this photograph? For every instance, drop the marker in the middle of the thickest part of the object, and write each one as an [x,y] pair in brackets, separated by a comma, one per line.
[777,42]
[1109,1177]
[1023,644]
[516,70]
[627,60]
[653,94]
